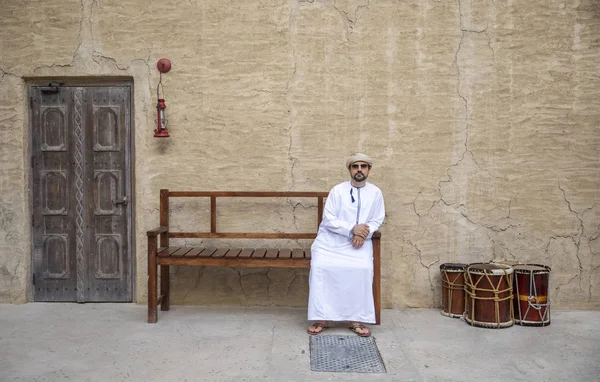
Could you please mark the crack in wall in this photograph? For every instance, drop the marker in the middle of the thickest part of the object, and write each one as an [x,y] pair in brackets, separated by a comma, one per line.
[37,69]
[490,227]
[462,27]
[592,270]
[293,161]
[239,273]
[502,245]
[196,284]
[414,207]
[290,87]
[294,217]
[85,49]
[581,226]
[467,107]
[289,287]
[269,284]
[348,21]
[85,39]
[4,73]
[413,203]
[581,233]
[459,207]
[428,267]
[580,265]
[80,33]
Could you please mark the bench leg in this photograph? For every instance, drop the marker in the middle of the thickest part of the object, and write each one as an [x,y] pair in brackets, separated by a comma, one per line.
[377,279]
[377,299]
[152,281]
[164,287]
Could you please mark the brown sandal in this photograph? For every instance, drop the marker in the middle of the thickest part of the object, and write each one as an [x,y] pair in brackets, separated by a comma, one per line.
[354,328]
[317,325]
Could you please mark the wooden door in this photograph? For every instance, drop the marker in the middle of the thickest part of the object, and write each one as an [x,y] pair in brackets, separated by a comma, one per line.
[81,191]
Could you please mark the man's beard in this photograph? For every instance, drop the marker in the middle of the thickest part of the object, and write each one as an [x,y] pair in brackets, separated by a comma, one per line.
[359,177]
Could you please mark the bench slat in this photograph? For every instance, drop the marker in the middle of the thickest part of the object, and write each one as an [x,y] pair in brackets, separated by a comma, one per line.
[220,252]
[233,252]
[181,252]
[168,251]
[259,253]
[194,252]
[207,252]
[307,254]
[285,253]
[246,253]
[298,253]
[271,253]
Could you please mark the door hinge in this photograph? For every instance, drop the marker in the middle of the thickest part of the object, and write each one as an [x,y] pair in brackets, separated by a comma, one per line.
[31,102]
[32,161]
[34,279]
[53,87]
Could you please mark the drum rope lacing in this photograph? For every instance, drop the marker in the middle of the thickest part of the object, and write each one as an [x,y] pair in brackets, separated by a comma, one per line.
[452,286]
[530,301]
[496,289]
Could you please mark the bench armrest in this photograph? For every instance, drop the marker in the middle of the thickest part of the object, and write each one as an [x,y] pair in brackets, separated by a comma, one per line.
[157,231]
[376,235]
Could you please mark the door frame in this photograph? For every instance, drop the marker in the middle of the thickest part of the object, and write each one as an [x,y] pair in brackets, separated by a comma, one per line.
[109,81]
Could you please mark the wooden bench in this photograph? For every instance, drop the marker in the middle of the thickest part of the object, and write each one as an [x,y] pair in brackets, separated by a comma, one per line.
[166,255]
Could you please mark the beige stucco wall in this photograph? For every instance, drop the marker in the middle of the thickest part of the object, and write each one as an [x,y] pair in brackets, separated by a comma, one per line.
[482,117]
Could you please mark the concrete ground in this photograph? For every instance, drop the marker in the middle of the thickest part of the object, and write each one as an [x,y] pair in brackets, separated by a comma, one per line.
[113,342]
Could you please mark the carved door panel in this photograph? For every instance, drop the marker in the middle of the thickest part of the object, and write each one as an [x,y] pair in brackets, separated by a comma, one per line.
[54,205]
[109,267]
[81,191]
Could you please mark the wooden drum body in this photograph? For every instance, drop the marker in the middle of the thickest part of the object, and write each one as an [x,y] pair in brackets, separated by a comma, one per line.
[531,301]
[489,295]
[453,289]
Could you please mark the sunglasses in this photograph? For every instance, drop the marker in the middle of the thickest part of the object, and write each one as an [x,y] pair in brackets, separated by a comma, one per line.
[356,166]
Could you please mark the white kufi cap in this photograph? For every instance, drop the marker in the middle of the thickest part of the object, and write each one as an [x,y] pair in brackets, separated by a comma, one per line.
[359,157]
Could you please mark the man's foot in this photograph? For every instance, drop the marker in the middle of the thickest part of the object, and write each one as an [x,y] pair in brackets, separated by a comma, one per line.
[360,329]
[317,328]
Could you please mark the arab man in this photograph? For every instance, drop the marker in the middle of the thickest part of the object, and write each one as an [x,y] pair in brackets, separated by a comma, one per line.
[341,267]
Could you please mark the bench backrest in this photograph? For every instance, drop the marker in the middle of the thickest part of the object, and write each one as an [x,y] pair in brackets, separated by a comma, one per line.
[213,195]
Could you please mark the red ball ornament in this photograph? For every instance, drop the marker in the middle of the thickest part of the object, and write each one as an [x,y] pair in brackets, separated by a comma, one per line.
[163,65]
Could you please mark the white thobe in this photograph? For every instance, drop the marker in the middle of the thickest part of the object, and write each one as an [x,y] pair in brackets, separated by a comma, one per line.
[341,276]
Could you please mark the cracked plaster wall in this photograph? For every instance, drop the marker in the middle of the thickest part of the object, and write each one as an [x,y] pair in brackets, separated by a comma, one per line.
[482,117]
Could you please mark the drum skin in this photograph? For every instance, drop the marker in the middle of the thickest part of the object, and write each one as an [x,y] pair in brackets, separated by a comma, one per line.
[489,295]
[531,303]
[453,292]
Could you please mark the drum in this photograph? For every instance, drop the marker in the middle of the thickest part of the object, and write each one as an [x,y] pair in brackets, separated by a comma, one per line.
[453,289]
[531,303]
[489,295]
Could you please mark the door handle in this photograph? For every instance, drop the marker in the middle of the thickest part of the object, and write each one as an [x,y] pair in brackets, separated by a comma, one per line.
[122,202]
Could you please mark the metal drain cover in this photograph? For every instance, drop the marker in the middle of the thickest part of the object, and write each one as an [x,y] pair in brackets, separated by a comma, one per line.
[350,354]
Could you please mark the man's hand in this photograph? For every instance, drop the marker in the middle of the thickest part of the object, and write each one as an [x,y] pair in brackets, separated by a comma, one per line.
[361,230]
[357,242]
